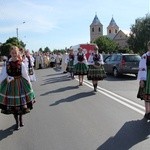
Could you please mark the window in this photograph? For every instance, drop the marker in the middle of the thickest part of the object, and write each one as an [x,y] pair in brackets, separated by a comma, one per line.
[99,29]
[92,29]
[109,31]
[132,58]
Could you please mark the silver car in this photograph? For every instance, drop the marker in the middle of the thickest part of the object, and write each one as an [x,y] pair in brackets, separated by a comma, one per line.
[118,64]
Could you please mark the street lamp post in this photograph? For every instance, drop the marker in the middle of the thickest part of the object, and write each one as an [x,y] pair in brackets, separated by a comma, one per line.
[17,30]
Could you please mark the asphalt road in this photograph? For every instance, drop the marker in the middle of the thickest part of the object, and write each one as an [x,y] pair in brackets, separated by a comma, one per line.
[69,117]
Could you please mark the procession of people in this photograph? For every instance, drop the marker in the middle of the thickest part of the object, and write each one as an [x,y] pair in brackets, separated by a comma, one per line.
[18,72]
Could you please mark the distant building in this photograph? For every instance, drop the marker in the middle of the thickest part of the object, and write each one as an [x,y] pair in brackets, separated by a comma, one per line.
[112,29]
[121,39]
[96,29]
[113,32]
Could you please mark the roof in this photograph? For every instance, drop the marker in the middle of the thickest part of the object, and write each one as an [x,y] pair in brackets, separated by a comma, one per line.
[112,22]
[96,21]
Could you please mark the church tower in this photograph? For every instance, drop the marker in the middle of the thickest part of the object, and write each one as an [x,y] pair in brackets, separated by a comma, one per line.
[96,29]
[112,29]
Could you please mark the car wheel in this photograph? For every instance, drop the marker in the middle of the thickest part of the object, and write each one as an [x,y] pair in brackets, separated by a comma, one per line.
[115,72]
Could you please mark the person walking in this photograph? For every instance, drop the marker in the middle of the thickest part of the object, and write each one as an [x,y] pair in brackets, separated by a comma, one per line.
[80,65]
[70,64]
[63,63]
[144,81]
[96,70]
[16,93]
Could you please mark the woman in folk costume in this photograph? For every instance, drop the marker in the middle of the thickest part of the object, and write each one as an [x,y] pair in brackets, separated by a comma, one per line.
[70,63]
[29,63]
[144,78]
[16,93]
[80,66]
[96,70]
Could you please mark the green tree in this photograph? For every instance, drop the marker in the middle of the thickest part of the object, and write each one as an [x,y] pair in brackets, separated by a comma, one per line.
[40,50]
[140,35]
[106,45]
[47,49]
[5,47]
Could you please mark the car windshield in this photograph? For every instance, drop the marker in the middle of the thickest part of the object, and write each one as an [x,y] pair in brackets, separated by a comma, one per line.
[132,58]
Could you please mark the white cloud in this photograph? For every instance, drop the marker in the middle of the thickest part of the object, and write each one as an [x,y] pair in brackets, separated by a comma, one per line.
[38,17]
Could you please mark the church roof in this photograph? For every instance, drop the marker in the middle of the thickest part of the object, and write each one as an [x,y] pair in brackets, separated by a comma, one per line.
[96,21]
[112,22]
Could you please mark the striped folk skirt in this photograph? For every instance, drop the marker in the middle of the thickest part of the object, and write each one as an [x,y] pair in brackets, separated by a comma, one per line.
[70,67]
[144,92]
[16,96]
[96,73]
[80,69]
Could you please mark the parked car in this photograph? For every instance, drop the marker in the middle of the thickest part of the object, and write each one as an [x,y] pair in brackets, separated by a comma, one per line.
[105,55]
[118,64]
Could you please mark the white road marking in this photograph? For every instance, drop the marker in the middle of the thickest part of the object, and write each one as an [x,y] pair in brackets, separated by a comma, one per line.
[122,100]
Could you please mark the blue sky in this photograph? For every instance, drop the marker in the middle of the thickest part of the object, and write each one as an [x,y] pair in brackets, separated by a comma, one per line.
[63,23]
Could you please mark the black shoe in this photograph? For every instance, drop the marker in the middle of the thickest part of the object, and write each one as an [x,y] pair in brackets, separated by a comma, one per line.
[146,116]
[17,127]
[95,89]
[21,124]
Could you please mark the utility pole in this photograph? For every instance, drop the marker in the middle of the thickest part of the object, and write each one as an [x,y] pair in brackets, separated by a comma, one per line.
[17,30]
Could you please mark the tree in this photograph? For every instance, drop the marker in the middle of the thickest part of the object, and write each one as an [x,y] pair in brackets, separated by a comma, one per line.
[40,50]
[5,47]
[106,45]
[140,35]
[47,49]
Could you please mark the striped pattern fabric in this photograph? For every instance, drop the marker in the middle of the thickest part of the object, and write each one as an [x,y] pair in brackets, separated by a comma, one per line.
[70,66]
[144,92]
[16,93]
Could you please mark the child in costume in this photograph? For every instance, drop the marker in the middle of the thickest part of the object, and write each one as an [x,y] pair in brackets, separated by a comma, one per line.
[16,93]
[70,63]
[96,70]
[80,66]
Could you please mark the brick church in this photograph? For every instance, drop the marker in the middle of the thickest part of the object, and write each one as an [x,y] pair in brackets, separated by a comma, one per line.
[113,32]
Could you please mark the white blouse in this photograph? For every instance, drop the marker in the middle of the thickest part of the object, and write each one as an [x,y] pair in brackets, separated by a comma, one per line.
[24,72]
[91,61]
[142,73]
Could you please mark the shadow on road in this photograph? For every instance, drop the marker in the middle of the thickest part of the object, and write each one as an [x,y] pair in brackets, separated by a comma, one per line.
[73,98]
[7,132]
[55,79]
[130,134]
[60,90]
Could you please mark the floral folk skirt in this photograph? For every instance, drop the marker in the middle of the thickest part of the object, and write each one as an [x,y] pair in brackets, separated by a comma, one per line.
[80,69]
[96,73]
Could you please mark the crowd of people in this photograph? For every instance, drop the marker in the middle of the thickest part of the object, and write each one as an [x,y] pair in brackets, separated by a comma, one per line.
[78,64]
[17,95]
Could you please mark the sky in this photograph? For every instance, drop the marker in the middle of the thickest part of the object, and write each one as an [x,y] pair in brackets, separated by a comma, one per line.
[59,24]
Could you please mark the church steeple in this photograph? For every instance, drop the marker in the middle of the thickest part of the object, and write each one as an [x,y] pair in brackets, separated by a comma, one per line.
[96,29]
[112,29]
